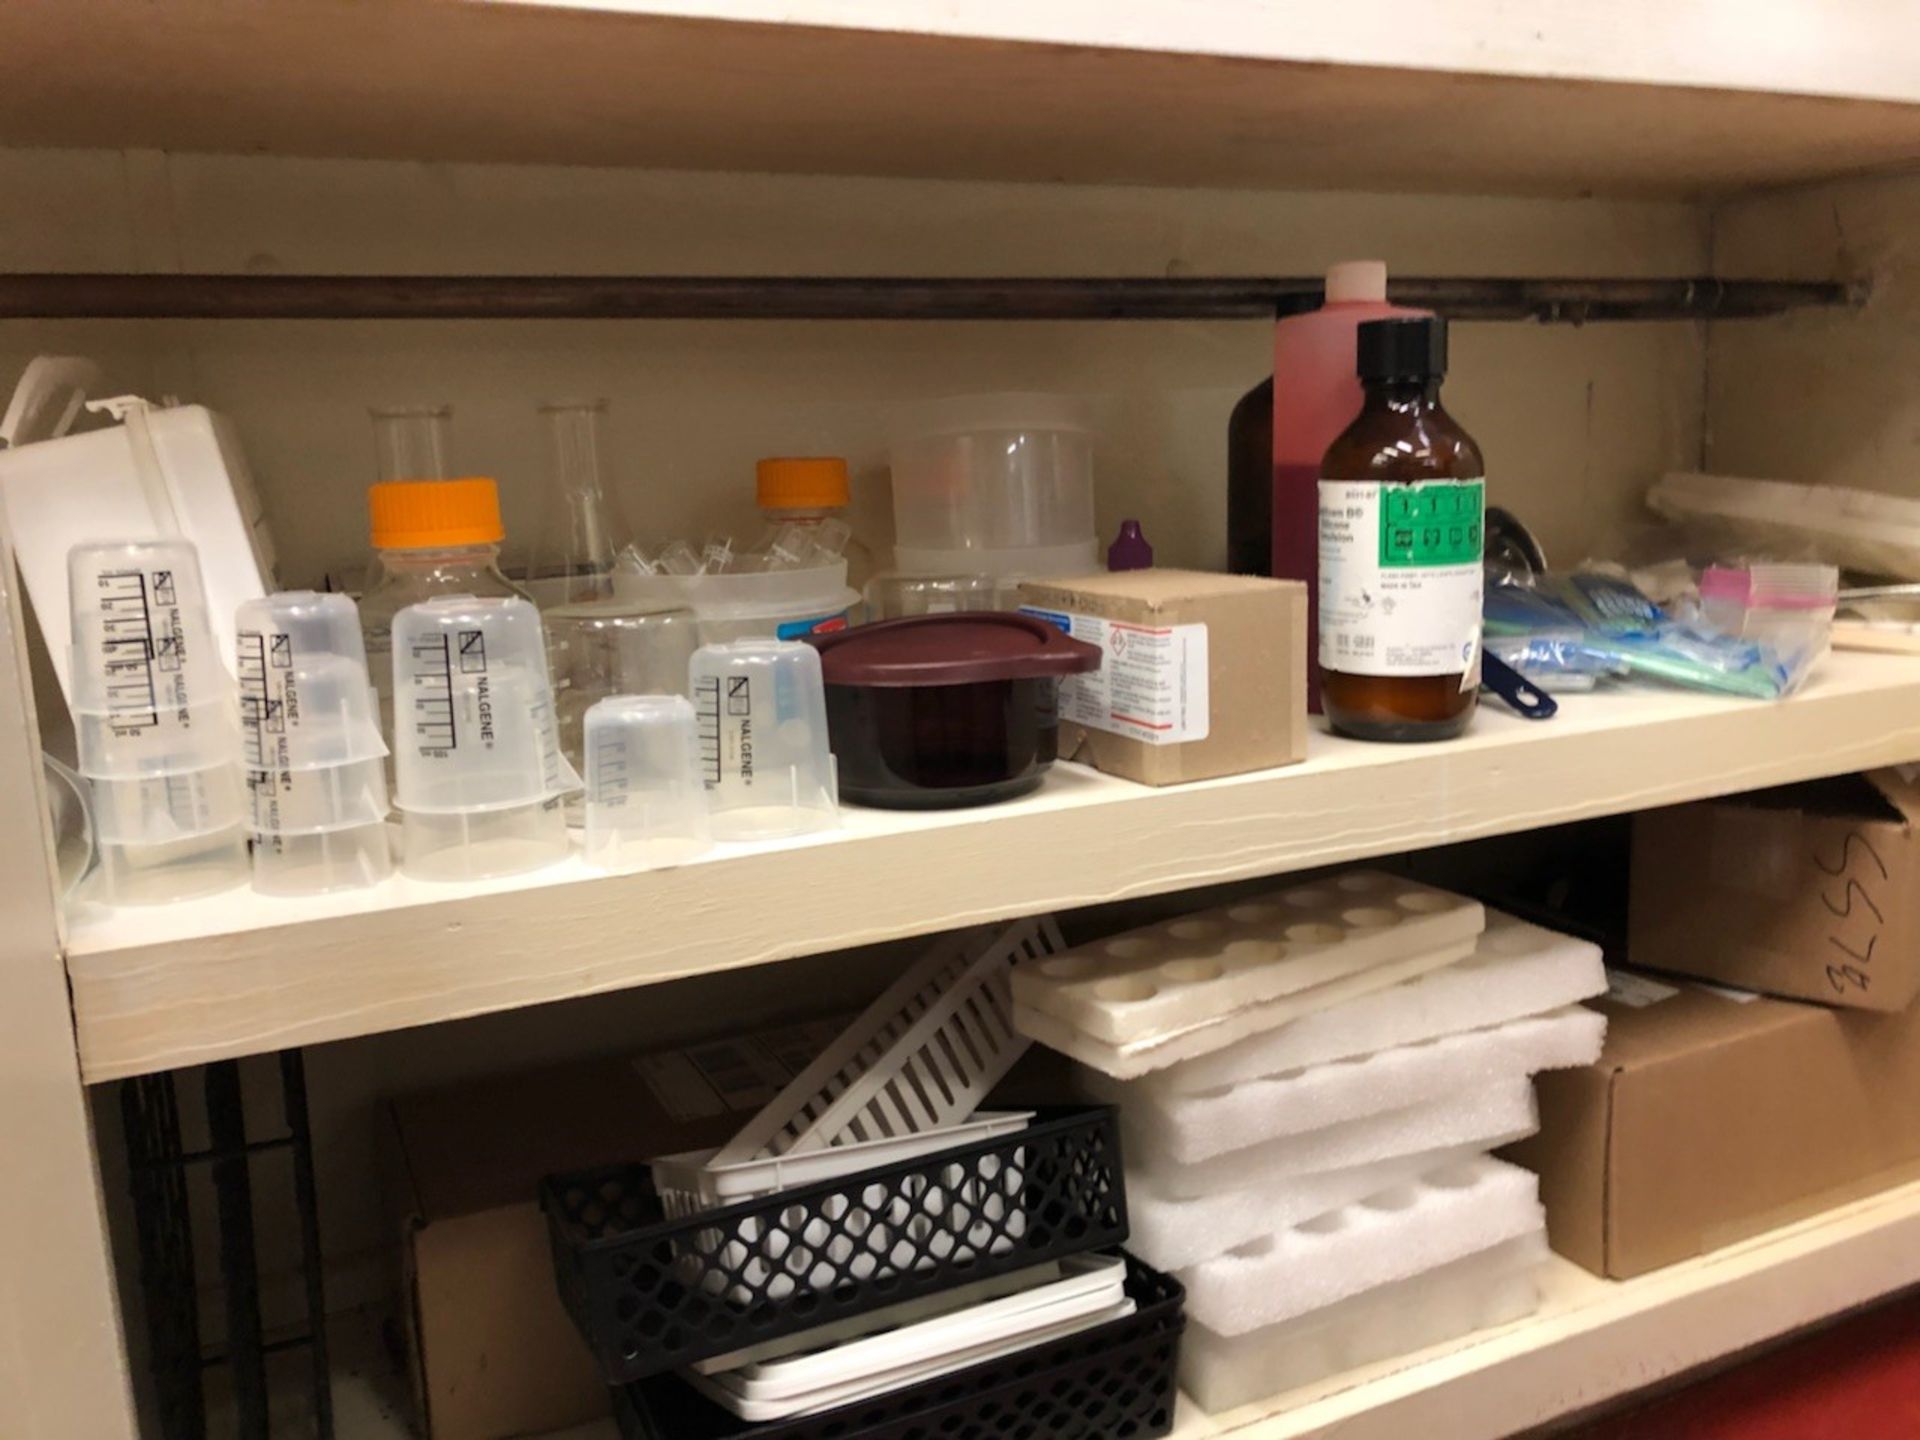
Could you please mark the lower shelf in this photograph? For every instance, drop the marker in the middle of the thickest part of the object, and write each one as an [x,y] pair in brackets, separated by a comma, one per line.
[1592,1341]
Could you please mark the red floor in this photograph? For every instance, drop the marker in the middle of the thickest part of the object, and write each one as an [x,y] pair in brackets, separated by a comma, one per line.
[1859,1380]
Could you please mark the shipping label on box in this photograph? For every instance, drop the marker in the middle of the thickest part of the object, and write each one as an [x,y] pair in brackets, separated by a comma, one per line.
[1151,684]
[1201,675]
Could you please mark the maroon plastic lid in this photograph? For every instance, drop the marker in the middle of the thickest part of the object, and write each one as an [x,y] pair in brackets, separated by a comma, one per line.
[957,649]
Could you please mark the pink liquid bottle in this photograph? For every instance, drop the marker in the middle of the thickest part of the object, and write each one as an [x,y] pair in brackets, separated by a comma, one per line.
[1316,394]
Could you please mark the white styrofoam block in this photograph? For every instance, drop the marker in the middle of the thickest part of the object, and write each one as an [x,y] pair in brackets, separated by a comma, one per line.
[1171,1232]
[1516,969]
[1164,980]
[1483,1118]
[1139,1057]
[1454,1211]
[1185,1128]
[1492,1287]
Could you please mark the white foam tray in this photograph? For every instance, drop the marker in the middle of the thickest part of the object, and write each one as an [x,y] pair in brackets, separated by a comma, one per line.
[1515,969]
[1172,1232]
[1161,981]
[1126,1062]
[1186,1128]
[921,1056]
[1453,1211]
[1465,1118]
[1487,1288]
[1090,1290]
[694,1182]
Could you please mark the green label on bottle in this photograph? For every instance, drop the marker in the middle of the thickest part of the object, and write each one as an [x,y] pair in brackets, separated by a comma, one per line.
[1435,523]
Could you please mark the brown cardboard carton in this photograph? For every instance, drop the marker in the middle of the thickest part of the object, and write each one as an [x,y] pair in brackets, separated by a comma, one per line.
[1713,1115]
[1201,675]
[491,1351]
[1807,891]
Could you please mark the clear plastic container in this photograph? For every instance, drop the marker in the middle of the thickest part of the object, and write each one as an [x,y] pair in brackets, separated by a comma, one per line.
[480,776]
[151,695]
[895,596]
[431,535]
[770,605]
[613,647]
[316,765]
[764,754]
[571,559]
[646,805]
[992,473]
[154,718]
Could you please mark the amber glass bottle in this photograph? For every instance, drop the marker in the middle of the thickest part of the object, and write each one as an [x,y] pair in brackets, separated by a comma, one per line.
[1402,530]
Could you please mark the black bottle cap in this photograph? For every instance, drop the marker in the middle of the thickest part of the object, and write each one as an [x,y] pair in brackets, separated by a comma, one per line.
[1405,348]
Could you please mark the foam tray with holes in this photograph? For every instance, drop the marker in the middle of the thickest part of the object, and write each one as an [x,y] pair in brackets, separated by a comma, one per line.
[1114,1381]
[1163,1131]
[649,1292]
[1454,1211]
[1482,1118]
[1490,1287]
[1176,1231]
[1515,969]
[1155,983]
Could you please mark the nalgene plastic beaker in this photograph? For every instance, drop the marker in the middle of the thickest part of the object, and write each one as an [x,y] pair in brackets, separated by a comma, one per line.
[646,804]
[613,647]
[310,739]
[763,739]
[479,774]
[151,695]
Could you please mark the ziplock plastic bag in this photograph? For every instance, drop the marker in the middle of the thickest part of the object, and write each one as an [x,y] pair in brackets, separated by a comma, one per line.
[1589,625]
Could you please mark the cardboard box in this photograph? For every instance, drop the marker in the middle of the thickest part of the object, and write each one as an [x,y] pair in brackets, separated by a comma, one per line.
[1202,675]
[1715,1114]
[1807,891]
[491,1351]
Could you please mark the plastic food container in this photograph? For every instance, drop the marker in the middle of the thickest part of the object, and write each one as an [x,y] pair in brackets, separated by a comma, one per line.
[992,472]
[750,605]
[937,711]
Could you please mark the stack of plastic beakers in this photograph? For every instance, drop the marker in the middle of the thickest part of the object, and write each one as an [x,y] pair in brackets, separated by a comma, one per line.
[155,723]
[310,738]
[762,710]
[480,777]
[646,804]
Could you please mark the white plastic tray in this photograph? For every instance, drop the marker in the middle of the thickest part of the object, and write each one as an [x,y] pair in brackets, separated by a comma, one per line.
[1162,981]
[1089,1291]
[691,1183]
[922,1056]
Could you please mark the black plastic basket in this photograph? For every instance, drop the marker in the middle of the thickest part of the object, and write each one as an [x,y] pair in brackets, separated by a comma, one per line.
[1113,1382]
[650,1293]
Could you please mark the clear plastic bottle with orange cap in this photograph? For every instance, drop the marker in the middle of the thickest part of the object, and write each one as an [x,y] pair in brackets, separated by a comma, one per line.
[431,535]
[812,492]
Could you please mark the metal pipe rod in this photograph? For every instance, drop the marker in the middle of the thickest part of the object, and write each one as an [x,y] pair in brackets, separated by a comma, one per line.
[692,297]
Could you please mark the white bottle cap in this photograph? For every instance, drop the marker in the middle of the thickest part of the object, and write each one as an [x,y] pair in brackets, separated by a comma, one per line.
[1356,280]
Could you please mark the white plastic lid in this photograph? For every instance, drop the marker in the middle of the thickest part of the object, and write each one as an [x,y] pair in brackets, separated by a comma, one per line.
[1356,281]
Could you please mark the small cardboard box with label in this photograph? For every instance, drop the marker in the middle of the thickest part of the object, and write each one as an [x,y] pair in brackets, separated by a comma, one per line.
[1808,891]
[1714,1114]
[1201,675]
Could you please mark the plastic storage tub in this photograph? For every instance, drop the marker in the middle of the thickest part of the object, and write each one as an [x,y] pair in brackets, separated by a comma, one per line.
[994,485]
[753,605]
[946,710]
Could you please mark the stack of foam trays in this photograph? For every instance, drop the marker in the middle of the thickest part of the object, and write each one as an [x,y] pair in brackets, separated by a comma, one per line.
[873,1256]
[1309,1085]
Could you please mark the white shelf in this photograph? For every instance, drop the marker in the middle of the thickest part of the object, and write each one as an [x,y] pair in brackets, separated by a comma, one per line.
[1593,1341]
[1638,96]
[239,973]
